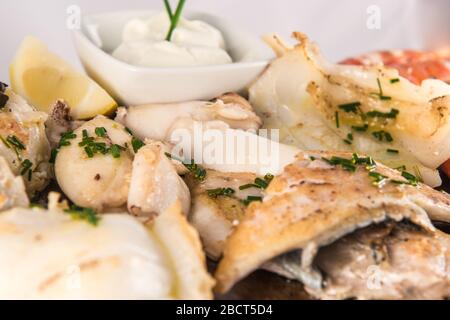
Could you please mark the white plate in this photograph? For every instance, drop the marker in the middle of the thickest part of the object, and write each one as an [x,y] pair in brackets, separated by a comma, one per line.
[133,85]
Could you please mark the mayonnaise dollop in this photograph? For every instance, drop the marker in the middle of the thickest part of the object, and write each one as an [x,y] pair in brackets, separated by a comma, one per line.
[193,43]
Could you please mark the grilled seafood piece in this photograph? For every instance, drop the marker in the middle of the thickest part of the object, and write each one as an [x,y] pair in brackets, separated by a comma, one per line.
[371,110]
[24,144]
[155,183]
[156,121]
[93,164]
[116,258]
[12,188]
[218,204]
[318,199]
[387,261]
[416,66]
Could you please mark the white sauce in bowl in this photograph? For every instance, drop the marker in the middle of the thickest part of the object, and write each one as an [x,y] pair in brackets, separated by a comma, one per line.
[193,43]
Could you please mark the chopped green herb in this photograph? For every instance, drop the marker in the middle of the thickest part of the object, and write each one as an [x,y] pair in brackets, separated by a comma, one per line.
[346,164]
[251,199]
[53,155]
[87,214]
[394,80]
[391,114]
[115,150]
[377,178]
[412,179]
[5,142]
[100,132]
[380,93]
[349,138]
[198,172]
[350,107]
[383,136]
[259,183]
[214,193]
[392,151]
[128,130]
[336,115]
[89,151]
[362,128]
[26,168]
[401,168]
[65,137]
[312,158]
[15,142]
[137,144]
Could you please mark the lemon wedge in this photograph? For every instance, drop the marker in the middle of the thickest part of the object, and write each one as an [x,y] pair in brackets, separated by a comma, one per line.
[42,78]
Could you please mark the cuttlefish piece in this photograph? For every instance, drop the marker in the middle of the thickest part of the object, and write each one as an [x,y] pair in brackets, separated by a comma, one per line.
[101,181]
[24,124]
[214,217]
[155,183]
[154,121]
[312,204]
[12,188]
[118,258]
[316,104]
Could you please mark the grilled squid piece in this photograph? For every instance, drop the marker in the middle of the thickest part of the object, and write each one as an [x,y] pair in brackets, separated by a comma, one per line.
[319,199]
[117,258]
[218,204]
[368,109]
[155,121]
[24,144]
[155,183]
[12,188]
[96,174]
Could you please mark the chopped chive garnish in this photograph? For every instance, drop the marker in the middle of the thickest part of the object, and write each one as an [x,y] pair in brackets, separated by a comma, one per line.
[362,128]
[89,151]
[259,183]
[383,136]
[136,144]
[87,214]
[226,192]
[346,164]
[336,115]
[392,151]
[26,168]
[100,132]
[380,93]
[394,80]
[350,107]
[15,142]
[115,151]
[391,114]
[377,178]
[251,199]
[401,168]
[198,172]
[347,141]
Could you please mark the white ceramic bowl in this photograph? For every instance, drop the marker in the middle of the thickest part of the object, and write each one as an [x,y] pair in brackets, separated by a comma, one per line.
[133,85]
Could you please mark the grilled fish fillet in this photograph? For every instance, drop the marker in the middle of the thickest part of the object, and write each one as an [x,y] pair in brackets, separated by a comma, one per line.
[314,203]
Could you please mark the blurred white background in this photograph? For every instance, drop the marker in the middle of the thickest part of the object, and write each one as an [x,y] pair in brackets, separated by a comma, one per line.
[340,27]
